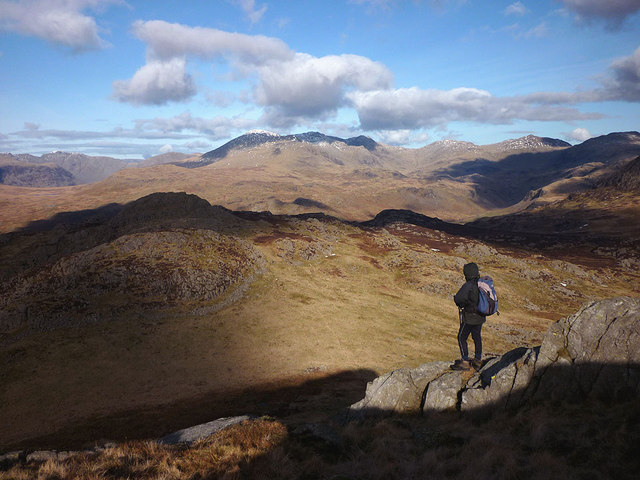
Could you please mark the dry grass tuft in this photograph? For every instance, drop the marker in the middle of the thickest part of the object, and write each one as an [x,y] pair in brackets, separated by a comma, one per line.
[220,456]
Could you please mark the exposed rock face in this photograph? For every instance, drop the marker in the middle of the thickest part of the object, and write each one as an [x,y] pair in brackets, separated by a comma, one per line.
[594,353]
[627,178]
[35,176]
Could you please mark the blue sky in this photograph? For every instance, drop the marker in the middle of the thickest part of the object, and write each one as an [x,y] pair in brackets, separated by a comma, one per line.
[132,79]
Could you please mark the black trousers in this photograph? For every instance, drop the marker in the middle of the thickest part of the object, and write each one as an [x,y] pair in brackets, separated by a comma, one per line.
[463,335]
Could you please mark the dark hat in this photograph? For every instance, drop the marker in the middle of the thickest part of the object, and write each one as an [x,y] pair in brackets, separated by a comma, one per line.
[471,271]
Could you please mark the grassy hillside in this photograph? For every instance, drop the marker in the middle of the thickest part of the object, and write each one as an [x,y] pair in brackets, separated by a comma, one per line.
[104,341]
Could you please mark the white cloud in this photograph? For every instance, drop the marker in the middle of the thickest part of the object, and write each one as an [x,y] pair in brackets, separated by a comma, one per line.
[614,12]
[249,8]
[310,87]
[411,108]
[58,21]
[166,148]
[156,83]
[579,135]
[164,78]
[169,40]
[290,85]
[517,9]
[297,88]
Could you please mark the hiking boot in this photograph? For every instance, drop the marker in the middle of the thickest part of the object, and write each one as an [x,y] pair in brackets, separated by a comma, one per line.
[476,363]
[461,365]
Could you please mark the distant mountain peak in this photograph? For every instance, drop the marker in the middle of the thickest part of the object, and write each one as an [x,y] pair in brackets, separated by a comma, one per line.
[262,132]
[531,142]
[256,138]
[451,145]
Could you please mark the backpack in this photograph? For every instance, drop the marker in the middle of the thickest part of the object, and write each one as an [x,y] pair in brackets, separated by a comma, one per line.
[488,297]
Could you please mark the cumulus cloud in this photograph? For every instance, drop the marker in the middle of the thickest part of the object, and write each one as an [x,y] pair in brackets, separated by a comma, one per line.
[169,40]
[310,87]
[61,22]
[289,85]
[614,12]
[164,78]
[517,9]
[296,88]
[156,83]
[624,80]
[579,135]
[411,108]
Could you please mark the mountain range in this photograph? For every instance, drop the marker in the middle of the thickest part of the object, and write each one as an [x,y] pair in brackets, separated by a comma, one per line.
[352,179]
[58,169]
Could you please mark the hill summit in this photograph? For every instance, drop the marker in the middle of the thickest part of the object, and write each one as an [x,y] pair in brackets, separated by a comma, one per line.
[259,137]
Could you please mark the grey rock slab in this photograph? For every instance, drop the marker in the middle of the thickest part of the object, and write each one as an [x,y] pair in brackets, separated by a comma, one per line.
[399,391]
[442,392]
[193,434]
[502,381]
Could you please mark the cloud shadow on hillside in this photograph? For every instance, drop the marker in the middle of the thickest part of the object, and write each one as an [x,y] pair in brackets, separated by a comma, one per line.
[506,182]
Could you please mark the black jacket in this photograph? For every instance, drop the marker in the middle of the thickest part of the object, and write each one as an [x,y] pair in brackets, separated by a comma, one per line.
[467,297]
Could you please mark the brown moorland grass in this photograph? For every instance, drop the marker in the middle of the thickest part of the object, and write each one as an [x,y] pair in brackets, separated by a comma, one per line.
[572,441]
[256,181]
[332,298]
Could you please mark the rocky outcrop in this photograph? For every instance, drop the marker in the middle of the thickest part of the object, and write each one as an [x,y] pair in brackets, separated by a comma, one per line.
[626,178]
[400,391]
[28,175]
[203,269]
[593,354]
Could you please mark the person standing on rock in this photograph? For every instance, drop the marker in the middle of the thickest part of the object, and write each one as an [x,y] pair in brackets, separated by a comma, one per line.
[470,320]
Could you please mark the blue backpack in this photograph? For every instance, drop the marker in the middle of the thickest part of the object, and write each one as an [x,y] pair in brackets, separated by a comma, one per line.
[488,297]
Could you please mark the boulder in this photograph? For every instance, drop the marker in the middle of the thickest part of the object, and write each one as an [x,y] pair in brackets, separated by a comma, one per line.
[400,391]
[192,434]
[442,393]
[594,353]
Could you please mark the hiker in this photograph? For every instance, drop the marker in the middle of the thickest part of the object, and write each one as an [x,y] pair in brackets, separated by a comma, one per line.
[470,320]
